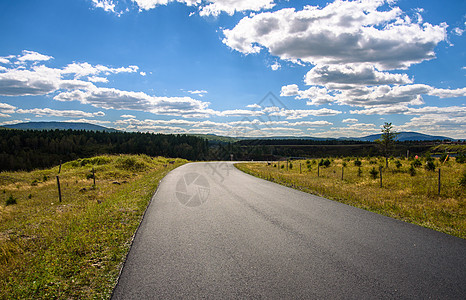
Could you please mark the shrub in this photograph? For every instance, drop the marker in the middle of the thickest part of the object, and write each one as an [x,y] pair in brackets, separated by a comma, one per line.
[461,158]
[130,164]
[372,162]
[374,173]
[309,167]
[416,163]
[344,164]
[283,166]
[10,201]
[398,164]
[324,163]
[412,170]
[359,172]
[357,163]
[444,157]
[291,165]
[34,182]
[45,178]
[308,162]
[462,181]
[430,166]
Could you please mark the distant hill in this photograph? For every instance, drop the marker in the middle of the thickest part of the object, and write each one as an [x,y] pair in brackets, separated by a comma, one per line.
[405,136]
[59,125]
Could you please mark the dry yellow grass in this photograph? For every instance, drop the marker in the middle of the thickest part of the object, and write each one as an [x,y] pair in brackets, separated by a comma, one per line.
[409,198]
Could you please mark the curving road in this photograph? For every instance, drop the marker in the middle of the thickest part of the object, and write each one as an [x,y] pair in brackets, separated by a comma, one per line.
[212,231]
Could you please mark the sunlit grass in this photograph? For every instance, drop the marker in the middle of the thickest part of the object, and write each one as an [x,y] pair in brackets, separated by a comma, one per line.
[409,198]
[73,249]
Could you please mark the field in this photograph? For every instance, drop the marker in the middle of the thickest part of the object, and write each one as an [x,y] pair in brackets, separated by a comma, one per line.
[408,193]
[74,248]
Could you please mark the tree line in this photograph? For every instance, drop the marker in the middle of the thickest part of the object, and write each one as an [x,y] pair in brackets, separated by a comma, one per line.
[31,149]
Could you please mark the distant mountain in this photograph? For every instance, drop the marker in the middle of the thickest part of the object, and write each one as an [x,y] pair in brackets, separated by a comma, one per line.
[59,125]
[404,136]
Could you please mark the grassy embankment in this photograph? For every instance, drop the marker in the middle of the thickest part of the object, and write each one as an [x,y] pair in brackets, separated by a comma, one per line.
[405,196]
[73,249]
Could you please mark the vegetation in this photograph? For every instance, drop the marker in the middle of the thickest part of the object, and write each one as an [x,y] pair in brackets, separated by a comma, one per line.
[73,249]
[387,141]
[28,150]
[408,193]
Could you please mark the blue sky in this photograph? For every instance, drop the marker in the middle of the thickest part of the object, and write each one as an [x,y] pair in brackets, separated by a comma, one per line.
[236,67]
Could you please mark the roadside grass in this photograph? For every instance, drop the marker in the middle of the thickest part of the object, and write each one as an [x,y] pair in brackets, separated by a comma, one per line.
[409,198]
[73,249]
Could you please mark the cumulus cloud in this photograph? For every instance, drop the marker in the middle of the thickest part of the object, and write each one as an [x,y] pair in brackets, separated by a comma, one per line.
[40,112]
[440,124]
[300,113]
[350,121]
[212,7]
[215,7]
[7,108]
[406,110]
[350,75]
[42,80]
[106,5]
[239,113]
[110,98]
[342,32]
[127,116]
[33,56]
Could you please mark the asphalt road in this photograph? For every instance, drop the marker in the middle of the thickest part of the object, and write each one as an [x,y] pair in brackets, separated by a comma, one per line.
[214,232]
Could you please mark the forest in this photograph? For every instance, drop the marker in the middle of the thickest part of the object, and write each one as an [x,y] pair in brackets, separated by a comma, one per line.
[32,149]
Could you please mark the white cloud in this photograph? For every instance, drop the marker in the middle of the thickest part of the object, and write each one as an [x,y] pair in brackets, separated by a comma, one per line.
[97,79]
[439,124]
[4,60]
[350,75]
[212,7]
[85,69]
[253,106]
[142,73]
[239,113]
[4,115]
[40,112]
[458,31]
[127,116]
[275,66]
[215,7]
[404,109]
[200,93]
[340,33]
[106,5]
[41,80]
[33,56]
[350,121]
[110,98]
[292,114]
[316,95]
[7,108]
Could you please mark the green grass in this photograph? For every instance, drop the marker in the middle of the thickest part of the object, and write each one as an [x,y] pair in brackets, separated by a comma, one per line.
[73,249]
[409,198]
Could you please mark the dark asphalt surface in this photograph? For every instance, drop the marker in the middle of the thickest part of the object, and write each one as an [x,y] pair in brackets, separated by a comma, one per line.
[214,232]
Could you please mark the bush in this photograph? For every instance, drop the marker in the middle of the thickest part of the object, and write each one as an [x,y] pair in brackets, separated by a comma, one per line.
[283,166]
[291,165]
[324,163]
[398,164]
[10,201]
[462,181]
[444,157]
[357,163]
[374,173]
[412,170]
[130,164]
[308,162]
[416,163]
[461,158]
[430,166]
[359,172]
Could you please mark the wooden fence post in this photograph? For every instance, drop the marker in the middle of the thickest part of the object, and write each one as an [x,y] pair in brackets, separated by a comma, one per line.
[93,174]
[59,190]
[439,181]
[59,169]
[299,168]
[380,171]
[342,169]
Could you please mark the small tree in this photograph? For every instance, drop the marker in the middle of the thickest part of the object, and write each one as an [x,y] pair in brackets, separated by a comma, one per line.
[387,141]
